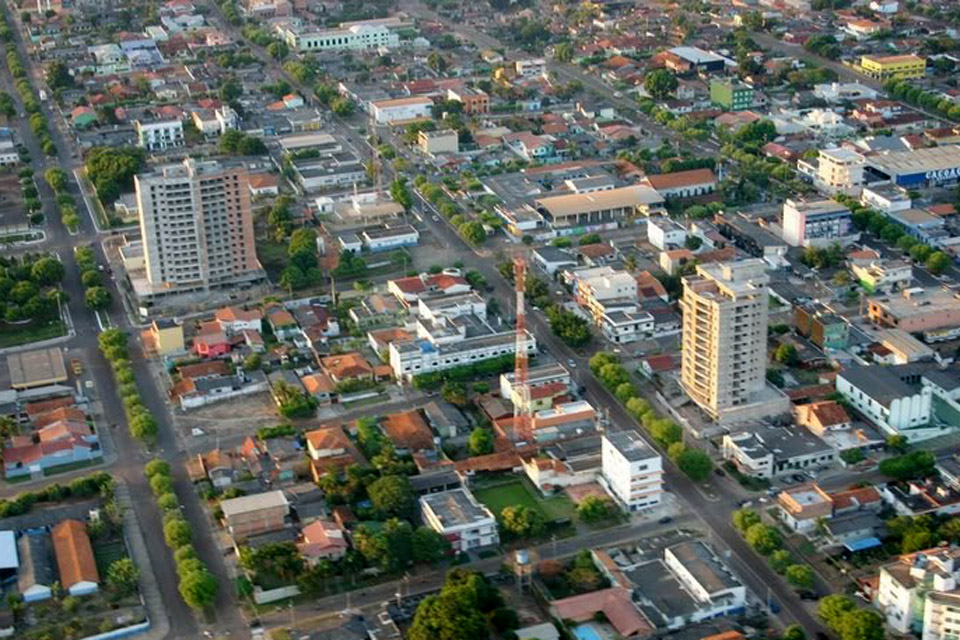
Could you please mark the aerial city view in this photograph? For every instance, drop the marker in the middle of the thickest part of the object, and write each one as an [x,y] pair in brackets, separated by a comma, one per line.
[491,320]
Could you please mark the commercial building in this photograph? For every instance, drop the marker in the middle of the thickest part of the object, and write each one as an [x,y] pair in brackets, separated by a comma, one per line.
[39,368]
[766,451]
[899,67]
[408,359]
[157,136]
[918,593]
[631,470]
[926,167]
[724,348]
[388,238]
[892,397]
[916,310]
[821,326]
[332,171]
[885,197]
[401,109]
[841,92]
[705,576]
[683,184]
[457,516]
[599,208]
[884,276]
[838,170]
[437,142]
[474,101]
[687,59]
[75,562]
[355,37]
[36,574]
[817,224]
[196,226]
[665,233]
[254,514]
[731,94]
[601,289]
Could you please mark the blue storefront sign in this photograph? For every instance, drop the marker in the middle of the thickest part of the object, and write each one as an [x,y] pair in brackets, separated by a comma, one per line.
[940,176]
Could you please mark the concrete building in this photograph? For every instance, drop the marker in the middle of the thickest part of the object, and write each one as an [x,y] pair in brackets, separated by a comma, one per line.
[916,310]
[36,574]
[898,67]
[724,348]
[355,37]
[254,514]
[802,507]
[410,358]
[925,167]
[665,233]
[884,276]
[38,368]
[821,326]
[438,142]
[631,470]
[918,591]
[731,94]
[599,289]
[197,227]
[892,397]
[458,517]
[704,575]
[840,92]
[683,184]
[766,451]
[886,197]
[157,136]
[837,170]
[401,109]
[599,208]
[816,224]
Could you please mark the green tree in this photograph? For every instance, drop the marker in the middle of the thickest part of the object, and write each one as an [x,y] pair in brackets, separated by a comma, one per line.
[780,560]
[563,52]
[156,467]
[472,231]
[800,576]
[861,624]
[392,496]
[47,271]
[97,298]
[122,577]
[833,608]
[343,107]
[198,589]
[660,83]
[794,632]
[480,442]
[763,538]
[429,546]
[913,465]
[786,354]
[400,192]
[937,262]
[695,463]
[522,521]
[454,393]
[595,508]
[177,533]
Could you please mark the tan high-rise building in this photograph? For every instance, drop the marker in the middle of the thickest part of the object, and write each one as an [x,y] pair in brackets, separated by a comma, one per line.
[197,225]
[724,350]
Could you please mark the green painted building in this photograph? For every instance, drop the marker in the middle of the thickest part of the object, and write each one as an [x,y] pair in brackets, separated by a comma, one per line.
[732,95]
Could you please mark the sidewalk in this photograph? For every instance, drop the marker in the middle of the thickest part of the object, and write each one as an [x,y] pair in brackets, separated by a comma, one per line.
[159,623]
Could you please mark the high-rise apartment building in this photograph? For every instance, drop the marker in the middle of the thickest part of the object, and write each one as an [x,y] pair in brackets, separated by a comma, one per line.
[197,226]
[724,352]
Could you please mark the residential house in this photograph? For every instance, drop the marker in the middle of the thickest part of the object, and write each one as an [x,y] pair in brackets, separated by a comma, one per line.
[322,540]
[36,573]
[76,565]
[252,515]
[409,432]
[347,366]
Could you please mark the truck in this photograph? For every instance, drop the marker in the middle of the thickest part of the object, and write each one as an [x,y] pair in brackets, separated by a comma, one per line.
[77,366]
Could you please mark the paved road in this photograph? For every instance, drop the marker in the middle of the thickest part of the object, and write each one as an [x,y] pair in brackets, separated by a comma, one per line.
[131,456]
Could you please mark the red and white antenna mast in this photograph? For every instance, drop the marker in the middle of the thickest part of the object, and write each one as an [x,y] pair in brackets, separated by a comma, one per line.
[523,430]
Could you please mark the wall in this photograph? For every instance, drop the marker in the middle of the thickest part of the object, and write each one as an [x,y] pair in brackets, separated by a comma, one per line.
[264,597]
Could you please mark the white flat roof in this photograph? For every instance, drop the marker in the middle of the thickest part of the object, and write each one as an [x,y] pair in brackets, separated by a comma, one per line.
[8,551]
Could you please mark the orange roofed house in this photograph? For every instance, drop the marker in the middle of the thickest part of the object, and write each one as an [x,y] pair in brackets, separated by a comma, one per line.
[409,432]
[616,605]
[75,561]
[347,366]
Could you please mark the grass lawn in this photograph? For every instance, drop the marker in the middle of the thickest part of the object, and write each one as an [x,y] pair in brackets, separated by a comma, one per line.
[73,466]
[515,492]
[13,335]
[107,552]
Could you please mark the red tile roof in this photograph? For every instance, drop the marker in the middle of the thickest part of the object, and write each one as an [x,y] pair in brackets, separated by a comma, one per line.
[615,603]
[408,430]
[75,560]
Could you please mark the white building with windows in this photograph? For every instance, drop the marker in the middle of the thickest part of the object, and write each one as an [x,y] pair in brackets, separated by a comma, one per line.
[918,594]
[401,109]
[890,400]
[408,359]
[157,136]
[356,37]
[458,517]
[631,470]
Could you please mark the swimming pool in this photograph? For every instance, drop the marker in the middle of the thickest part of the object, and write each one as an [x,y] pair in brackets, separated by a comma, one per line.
[586,632]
